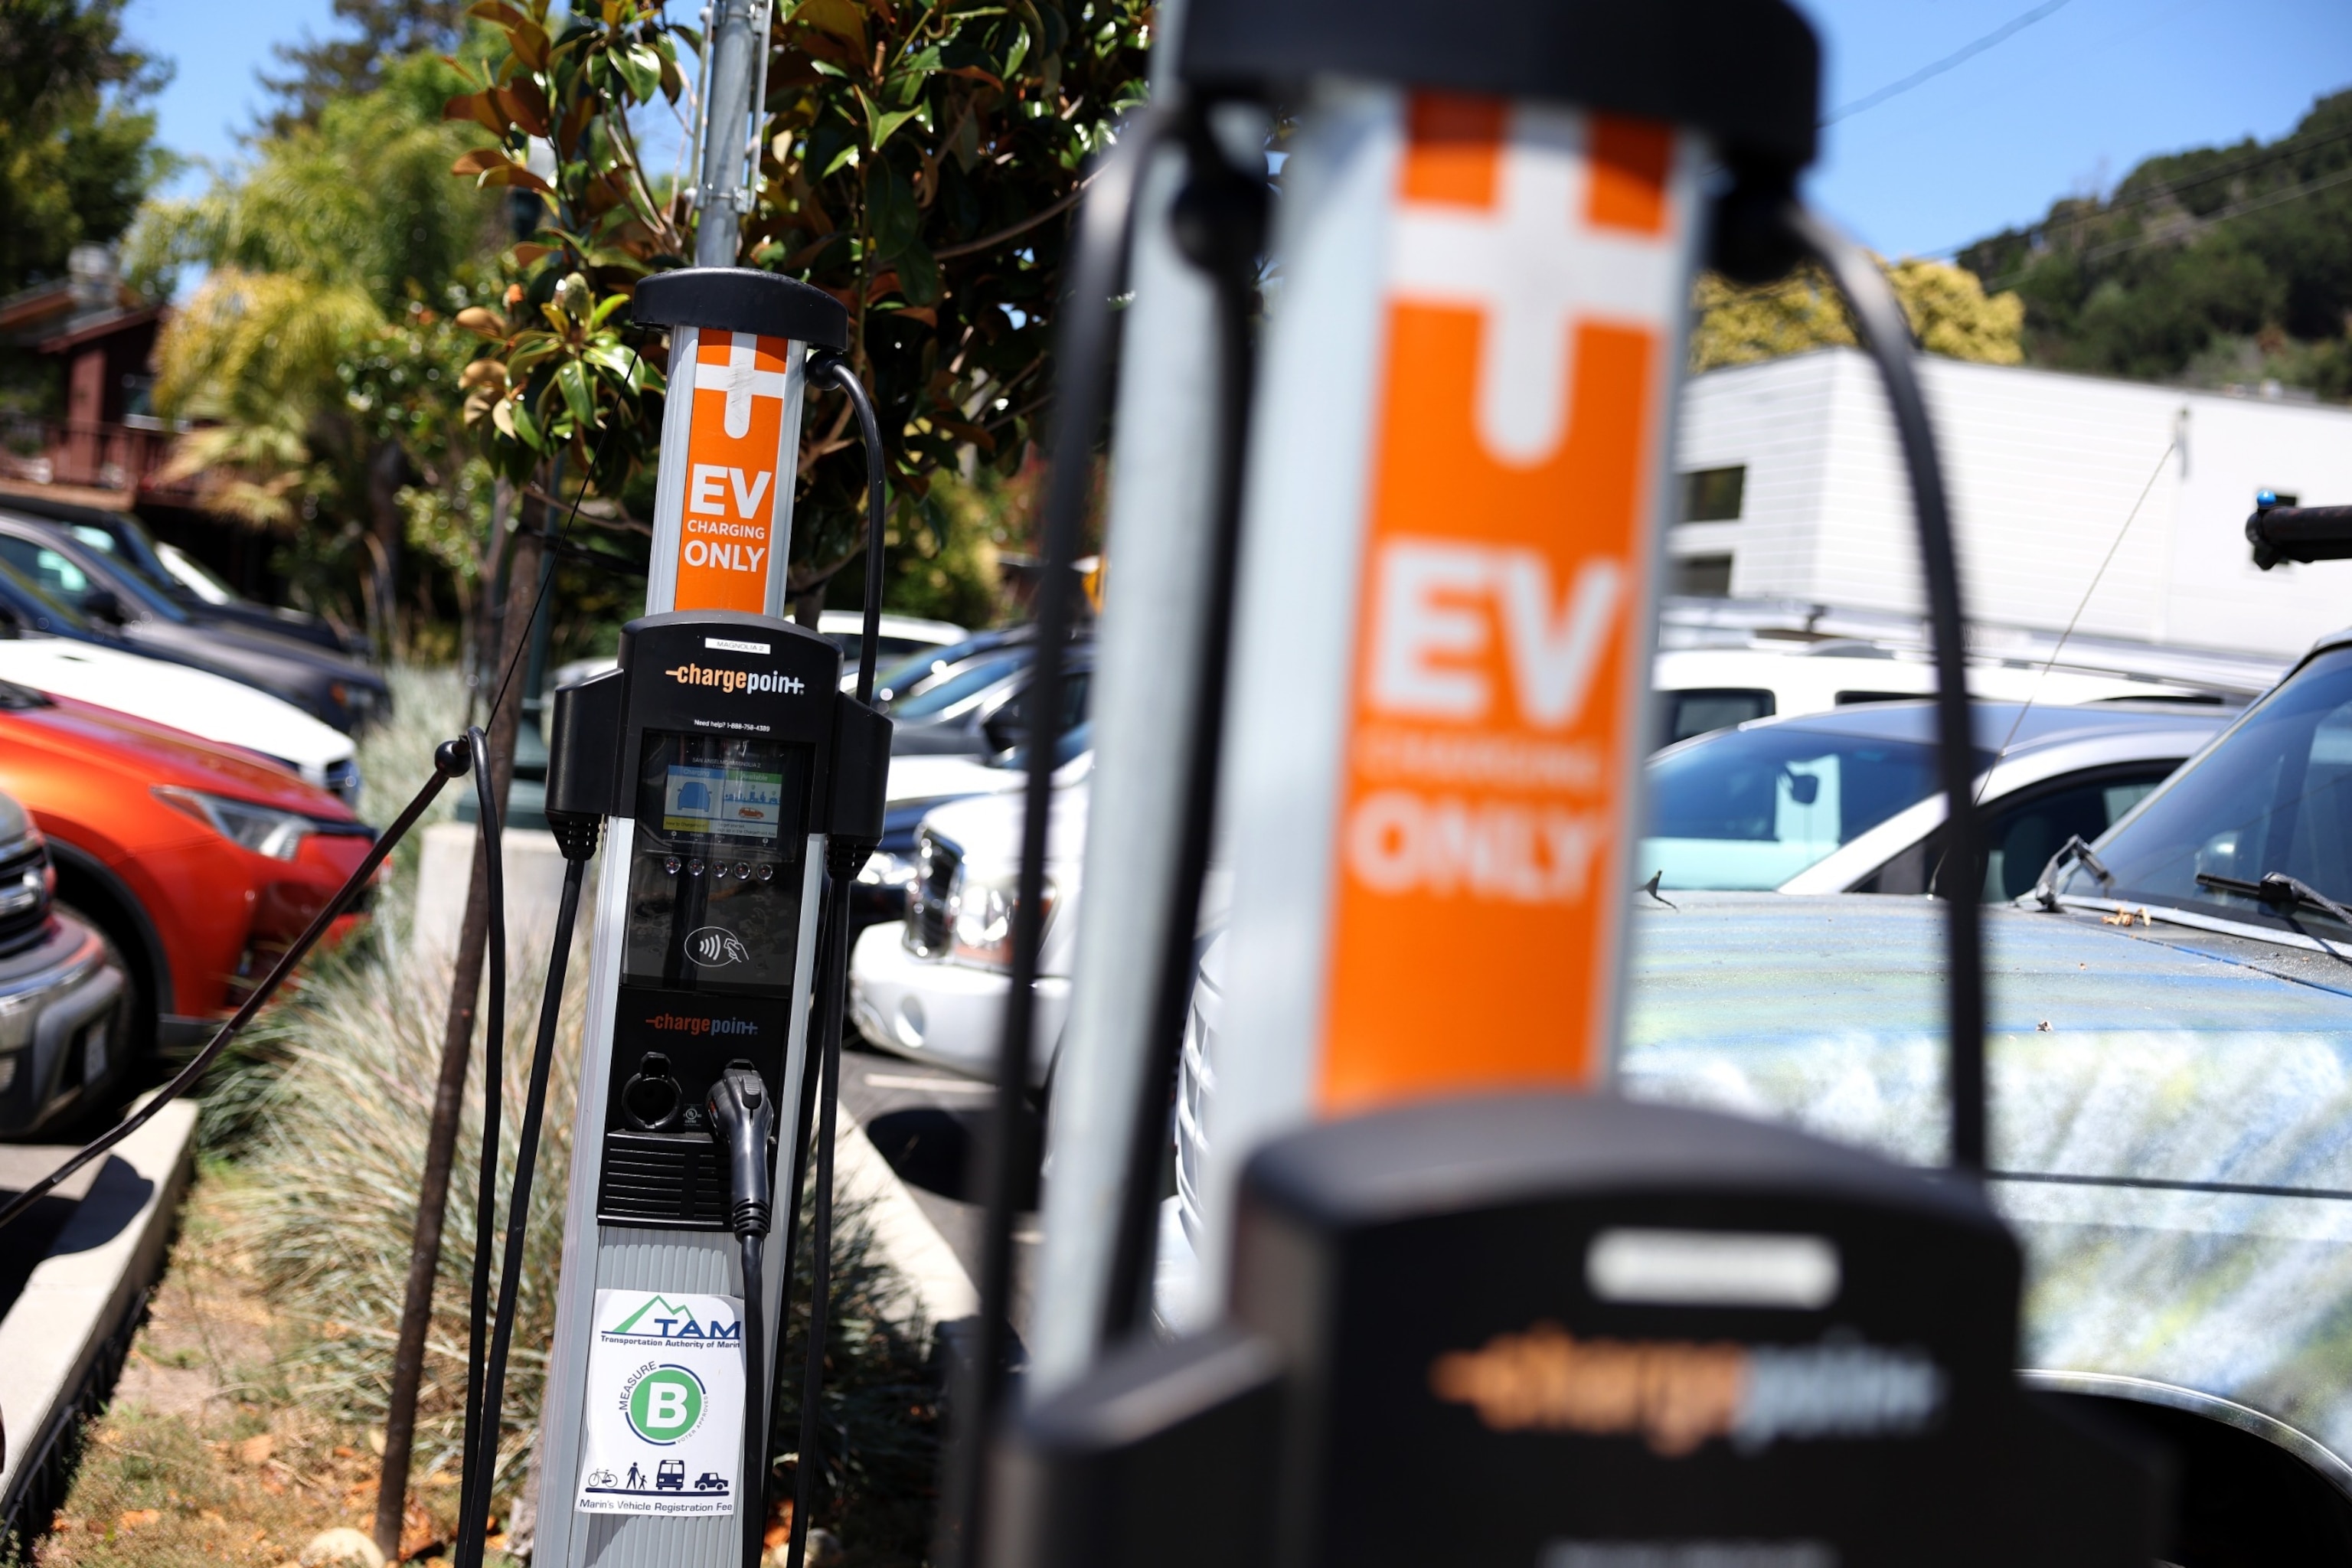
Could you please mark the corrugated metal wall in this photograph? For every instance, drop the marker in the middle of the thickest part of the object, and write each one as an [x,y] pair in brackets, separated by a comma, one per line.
[2045,467]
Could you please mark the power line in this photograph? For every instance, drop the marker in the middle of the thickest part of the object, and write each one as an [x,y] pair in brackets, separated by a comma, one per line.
[2163,189]
[2236,209]
[1957,57]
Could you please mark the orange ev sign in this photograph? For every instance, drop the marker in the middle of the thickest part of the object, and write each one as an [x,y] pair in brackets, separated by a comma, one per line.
[737,472]
[1531,289]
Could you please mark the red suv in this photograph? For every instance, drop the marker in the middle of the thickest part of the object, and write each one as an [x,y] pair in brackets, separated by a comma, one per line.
[200,861]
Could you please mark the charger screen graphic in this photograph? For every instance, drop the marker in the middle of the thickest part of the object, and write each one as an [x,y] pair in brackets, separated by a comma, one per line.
[715,878]
[733,802]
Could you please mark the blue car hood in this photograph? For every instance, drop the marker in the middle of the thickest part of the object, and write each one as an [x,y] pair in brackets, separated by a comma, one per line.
[2171,1118]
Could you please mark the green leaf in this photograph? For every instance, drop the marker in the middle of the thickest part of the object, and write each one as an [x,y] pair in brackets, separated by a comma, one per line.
[571,380]
[890,214]
[526,426]
[641,68]
[918,274]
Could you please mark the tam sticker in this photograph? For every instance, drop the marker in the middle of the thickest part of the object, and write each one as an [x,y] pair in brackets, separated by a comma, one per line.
[664,1413]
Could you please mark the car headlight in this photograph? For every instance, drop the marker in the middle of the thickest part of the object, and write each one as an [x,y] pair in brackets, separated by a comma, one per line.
[263,829]
[980,917]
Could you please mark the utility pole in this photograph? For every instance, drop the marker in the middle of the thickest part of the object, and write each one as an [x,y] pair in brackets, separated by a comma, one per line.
[734,94]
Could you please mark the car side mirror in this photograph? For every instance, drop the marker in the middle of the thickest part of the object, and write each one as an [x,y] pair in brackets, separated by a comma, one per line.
[1805,788]
[102,604]
[12,625]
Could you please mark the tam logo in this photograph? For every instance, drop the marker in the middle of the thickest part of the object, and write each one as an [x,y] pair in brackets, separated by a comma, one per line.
[649,1321]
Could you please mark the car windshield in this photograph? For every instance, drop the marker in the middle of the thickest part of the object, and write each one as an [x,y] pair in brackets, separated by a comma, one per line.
[935,695]
[195,576]
[2273,796]
[925,662]
[130,561]
[1751,808]
[40,598]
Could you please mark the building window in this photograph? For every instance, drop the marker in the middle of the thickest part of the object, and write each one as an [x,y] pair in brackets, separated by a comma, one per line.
[1700,576]
[1713,495]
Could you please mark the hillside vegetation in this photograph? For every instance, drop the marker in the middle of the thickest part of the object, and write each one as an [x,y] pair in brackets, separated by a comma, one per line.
[2217,265]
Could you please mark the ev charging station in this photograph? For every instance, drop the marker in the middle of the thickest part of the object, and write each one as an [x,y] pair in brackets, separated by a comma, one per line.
[1456,1301]
[724,762]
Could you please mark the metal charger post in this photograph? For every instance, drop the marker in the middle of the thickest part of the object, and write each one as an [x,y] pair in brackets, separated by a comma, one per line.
[729,767]
[1583,1332]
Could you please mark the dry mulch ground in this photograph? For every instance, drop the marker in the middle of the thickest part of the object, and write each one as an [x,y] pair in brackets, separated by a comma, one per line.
[204,1456]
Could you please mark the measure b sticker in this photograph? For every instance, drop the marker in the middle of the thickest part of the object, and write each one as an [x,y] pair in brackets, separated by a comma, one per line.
[664,1417]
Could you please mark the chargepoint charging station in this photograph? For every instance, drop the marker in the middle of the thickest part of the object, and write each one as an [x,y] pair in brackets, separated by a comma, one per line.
[1459,1303]
[724,760]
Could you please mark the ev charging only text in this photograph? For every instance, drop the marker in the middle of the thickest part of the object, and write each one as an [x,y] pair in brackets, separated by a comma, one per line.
[724,527]
[1496,827]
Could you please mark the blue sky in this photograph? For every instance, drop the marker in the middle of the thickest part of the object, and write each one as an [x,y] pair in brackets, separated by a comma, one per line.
[2066,104]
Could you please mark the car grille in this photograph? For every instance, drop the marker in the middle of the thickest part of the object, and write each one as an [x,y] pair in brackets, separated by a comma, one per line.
[928,914]
[24,894]
[1195,1081]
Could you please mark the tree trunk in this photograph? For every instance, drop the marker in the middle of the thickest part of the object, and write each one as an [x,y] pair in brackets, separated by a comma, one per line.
[490,635]
[387,472]
[449,1092]
[808,607]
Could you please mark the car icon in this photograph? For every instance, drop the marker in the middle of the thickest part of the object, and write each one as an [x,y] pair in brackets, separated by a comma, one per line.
[711,1481]
[669,1476]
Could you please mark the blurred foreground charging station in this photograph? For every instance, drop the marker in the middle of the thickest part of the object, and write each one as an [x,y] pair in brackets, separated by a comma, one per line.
[1456,1301]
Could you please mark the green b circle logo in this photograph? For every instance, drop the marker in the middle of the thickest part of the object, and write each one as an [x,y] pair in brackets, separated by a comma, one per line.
[666,1405]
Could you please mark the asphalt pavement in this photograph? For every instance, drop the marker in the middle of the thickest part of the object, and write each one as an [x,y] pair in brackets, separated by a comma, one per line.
[926,1123]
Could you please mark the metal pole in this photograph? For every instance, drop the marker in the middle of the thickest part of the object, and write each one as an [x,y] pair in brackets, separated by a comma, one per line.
[735,54]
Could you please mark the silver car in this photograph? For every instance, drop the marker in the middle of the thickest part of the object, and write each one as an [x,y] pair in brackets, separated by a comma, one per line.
[1847,801]
[64,1038]
[2170,1055]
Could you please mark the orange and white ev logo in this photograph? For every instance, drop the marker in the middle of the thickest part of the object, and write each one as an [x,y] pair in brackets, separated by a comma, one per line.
[736,469]
[1534,277]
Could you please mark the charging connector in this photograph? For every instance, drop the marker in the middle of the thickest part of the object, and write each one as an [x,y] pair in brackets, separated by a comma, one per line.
[743,1118]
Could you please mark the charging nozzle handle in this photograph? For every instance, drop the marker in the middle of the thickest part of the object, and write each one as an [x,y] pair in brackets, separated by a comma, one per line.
[744,1113]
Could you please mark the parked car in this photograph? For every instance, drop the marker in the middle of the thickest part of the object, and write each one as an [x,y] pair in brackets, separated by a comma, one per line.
[932,986]
[1847,801]
[898,640]
[65,996]
[978,706]
[2169,1045]
[920,784]
[210,706]
[340,691]
[1699,689]
[125,539]
[198,861]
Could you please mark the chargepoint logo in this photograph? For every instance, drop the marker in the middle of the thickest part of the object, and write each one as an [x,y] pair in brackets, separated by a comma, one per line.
[715,947]
[731,681]
[690,1023]
[1675,1395]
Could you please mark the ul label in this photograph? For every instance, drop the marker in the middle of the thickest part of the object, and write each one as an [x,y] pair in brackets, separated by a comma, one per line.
[738,472]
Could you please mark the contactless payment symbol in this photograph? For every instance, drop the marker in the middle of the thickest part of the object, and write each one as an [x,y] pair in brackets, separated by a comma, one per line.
[666,1405]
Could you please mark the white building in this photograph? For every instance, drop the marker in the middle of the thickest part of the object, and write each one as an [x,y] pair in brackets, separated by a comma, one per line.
[1796,490]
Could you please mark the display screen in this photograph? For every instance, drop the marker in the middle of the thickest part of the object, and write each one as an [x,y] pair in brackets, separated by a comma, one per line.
[739,802]
[716,872]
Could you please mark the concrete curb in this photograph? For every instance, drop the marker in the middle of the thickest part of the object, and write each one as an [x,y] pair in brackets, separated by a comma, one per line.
[937,1288]
[63,1340]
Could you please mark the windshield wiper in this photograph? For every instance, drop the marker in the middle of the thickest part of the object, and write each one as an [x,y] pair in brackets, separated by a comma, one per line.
[2046,887]
[2277,888]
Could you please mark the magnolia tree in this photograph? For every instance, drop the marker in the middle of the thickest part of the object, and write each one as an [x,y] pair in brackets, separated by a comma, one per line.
[916,161]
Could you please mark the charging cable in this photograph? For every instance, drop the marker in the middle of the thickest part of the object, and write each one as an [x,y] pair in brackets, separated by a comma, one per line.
[577,838]
[743,1114]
